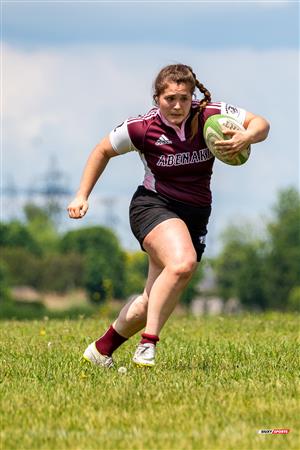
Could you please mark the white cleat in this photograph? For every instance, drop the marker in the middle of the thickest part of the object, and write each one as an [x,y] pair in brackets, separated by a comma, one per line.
[92,355]
[145,355]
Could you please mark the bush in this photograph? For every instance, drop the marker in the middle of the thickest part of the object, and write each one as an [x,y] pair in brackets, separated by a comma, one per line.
[24,268]
[14,234]
[61,273]
[33,311]
[293,302]
[104,261]
[282,265]
[136,272]
[52,272]
[4,284]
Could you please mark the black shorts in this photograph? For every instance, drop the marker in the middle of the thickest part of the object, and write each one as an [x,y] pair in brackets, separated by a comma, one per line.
[148,209]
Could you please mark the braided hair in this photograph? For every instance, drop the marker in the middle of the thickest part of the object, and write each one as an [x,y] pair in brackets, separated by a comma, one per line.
[181,73]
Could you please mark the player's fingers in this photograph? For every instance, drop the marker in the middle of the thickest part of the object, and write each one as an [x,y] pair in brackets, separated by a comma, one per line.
[228,132]
[77,212]
[83,210]
[72,213]
[223,144]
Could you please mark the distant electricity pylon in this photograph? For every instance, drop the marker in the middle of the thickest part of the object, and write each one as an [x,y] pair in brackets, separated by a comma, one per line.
[53,184]
[110,218]
[49,190]
[9,198]
[52,188]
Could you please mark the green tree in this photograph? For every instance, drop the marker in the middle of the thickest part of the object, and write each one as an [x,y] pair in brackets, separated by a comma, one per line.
[20,253]
[282,265]
[61,272]
[4,284]
[136,272]
[16,234]
[40,224]
[294,299]
[240,267]
[266,271]
[97,277]
[104,260]
[24,267]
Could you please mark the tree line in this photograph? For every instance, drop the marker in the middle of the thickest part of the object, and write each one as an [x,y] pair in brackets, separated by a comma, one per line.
[33,253]
[259,270]
[264,270]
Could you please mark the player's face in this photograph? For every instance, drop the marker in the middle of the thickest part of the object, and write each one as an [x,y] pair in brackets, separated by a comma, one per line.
[175,102]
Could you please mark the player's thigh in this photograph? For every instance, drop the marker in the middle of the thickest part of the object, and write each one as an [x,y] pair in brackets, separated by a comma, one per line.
[170,243]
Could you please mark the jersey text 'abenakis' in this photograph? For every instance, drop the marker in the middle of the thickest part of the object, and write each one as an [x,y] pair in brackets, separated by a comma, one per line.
[176,166]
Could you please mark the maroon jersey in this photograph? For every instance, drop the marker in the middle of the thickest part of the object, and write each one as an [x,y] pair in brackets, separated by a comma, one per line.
[175,165]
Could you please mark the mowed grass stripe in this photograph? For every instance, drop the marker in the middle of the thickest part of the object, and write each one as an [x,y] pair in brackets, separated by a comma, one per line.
[218,380]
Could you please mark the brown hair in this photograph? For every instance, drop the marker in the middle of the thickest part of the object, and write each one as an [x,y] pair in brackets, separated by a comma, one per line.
[180,73]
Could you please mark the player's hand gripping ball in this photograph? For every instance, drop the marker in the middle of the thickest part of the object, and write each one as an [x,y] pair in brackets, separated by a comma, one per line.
[213,132]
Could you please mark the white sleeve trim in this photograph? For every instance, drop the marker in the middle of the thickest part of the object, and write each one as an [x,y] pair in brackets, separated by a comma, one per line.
[120,139]
[238,114]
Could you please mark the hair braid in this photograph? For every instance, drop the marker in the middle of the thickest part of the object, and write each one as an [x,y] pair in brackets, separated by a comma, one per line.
[205,92]
[203,102]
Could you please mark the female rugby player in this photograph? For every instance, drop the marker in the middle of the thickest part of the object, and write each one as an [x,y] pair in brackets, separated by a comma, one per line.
[169,213]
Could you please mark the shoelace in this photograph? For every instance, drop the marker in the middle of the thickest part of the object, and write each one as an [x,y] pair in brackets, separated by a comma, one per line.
[144,348]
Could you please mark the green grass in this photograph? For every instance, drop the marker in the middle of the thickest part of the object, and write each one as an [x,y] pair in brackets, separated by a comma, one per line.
[218,380]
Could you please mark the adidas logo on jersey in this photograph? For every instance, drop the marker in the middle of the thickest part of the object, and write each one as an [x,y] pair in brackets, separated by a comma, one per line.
[163,140]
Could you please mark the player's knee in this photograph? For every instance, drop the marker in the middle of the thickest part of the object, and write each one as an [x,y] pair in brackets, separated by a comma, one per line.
[184,267]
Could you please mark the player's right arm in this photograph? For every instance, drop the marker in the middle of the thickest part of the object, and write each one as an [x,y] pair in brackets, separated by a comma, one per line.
[94,167]
[118,142]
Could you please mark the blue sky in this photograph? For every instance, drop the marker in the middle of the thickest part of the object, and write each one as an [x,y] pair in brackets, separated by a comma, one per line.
[71,71]
[208,24]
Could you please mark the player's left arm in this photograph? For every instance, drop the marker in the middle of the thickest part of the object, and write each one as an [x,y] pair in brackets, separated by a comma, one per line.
[256,130]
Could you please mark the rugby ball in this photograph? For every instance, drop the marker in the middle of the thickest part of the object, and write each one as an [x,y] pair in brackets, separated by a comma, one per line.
[212,132]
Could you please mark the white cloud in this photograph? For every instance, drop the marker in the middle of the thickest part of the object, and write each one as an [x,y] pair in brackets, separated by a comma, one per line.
[62,101]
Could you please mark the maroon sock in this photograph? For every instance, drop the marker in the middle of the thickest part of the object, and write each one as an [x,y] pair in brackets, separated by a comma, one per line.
[109,342]
[149,339]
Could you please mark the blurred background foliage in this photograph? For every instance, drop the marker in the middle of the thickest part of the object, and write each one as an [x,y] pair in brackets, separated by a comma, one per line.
[261,271]
[264,270]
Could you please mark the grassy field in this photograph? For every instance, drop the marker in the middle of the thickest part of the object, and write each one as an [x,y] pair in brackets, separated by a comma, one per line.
[218,380]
